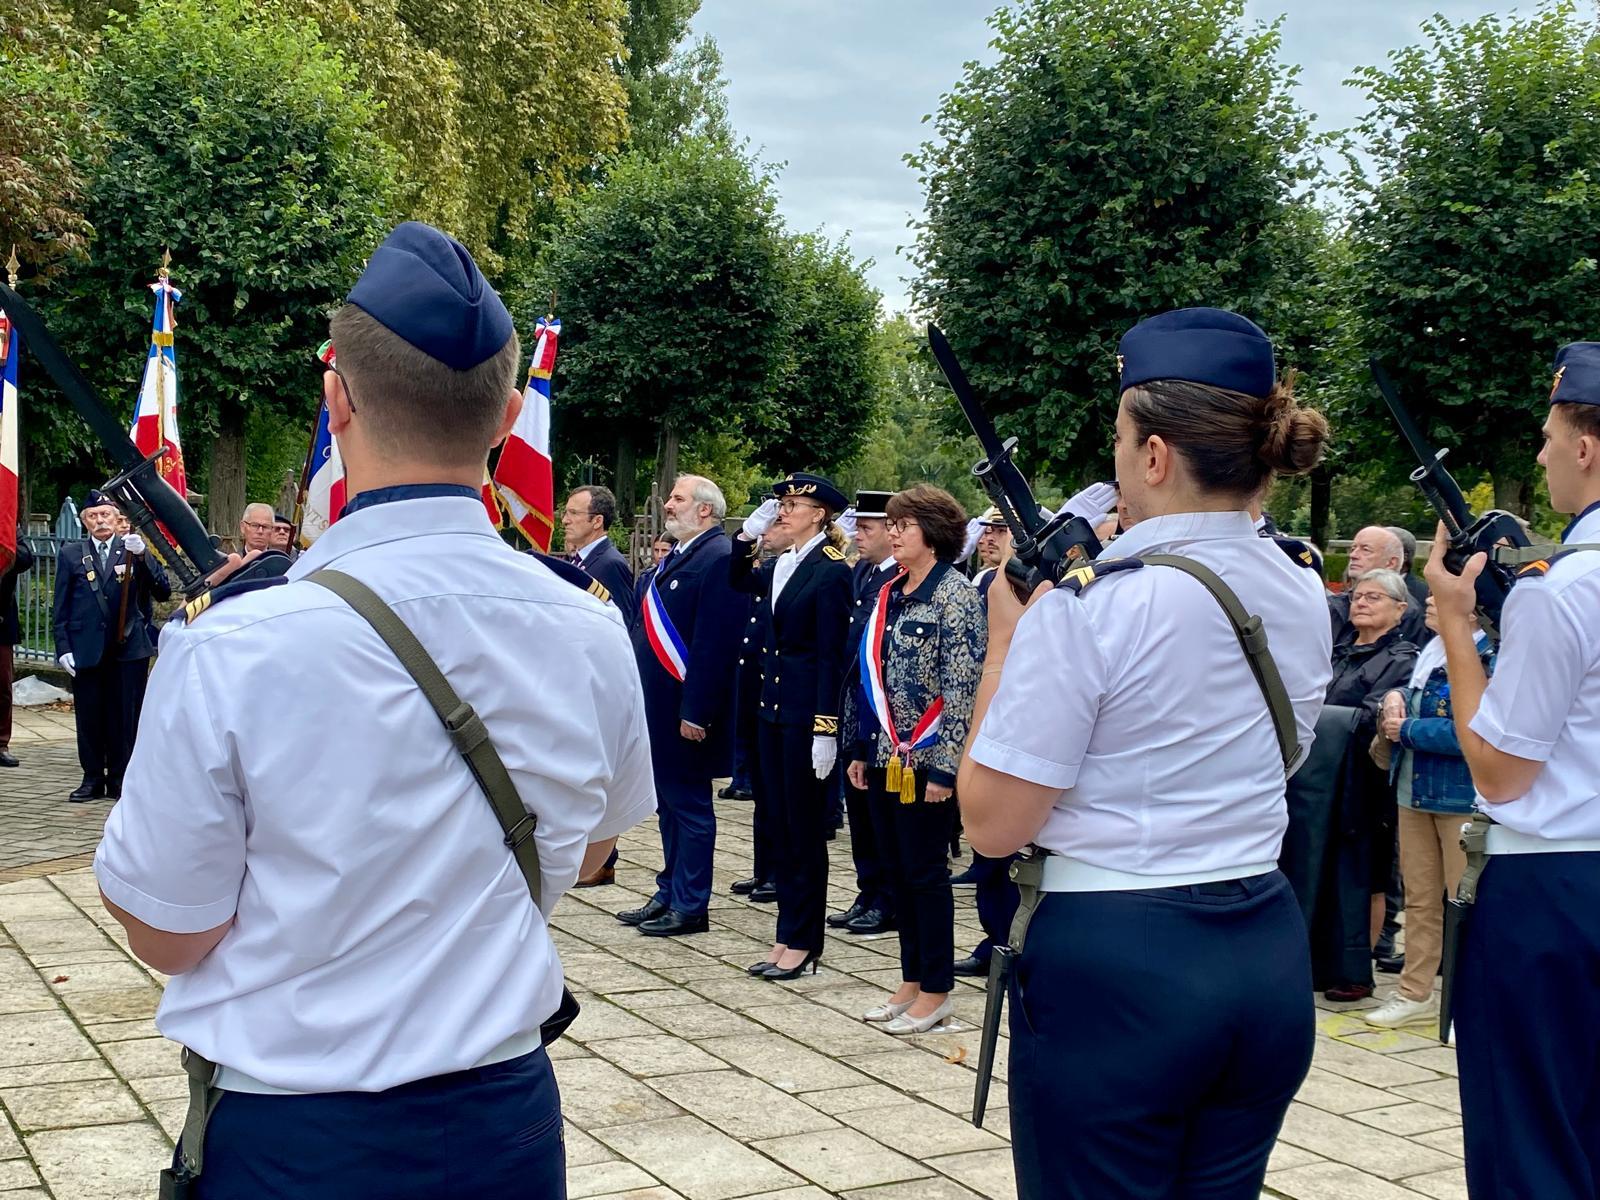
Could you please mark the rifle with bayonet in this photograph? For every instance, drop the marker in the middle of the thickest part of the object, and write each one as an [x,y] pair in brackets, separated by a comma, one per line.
[145,498]
[1468,534]
[1045,546]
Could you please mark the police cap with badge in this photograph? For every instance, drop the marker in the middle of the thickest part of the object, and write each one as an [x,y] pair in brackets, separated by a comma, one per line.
[873,504]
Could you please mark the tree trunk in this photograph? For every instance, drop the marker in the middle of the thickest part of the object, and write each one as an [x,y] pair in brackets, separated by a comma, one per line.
[627,480]
[225,498]
[1512,492]
[1321,505]
[667,460]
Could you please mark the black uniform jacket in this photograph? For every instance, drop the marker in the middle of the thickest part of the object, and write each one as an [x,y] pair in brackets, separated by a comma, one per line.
[88,600]
[610,566]
[803,639]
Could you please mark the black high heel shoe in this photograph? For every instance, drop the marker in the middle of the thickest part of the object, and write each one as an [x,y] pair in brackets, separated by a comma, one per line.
[811,960]
[760,969]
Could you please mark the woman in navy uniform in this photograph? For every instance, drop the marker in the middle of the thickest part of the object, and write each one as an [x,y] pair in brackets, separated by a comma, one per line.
[1162,1014]
[797,711]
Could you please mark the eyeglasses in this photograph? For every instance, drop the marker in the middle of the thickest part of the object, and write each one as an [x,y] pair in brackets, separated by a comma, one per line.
[257,526]
[900,526]
[1371,598]
[574,512]
[789,504]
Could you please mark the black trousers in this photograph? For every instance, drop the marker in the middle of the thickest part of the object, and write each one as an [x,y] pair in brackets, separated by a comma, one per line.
[1157,1038]
[797,805]
[6,662]
[997,900]
[872,871]
[915,839]
[106,700]
[1529,988]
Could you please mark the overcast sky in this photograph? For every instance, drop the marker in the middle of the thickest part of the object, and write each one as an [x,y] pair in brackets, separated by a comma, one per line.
[836,89]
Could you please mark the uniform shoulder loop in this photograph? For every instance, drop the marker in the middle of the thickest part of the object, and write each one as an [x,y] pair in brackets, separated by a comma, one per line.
[573,574]
[599,591]
[1548,556]
[1302,554]
[834,553]
[1079,578]
[201,603]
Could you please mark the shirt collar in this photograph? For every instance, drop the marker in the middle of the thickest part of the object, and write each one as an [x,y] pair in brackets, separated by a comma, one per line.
[924,590]
[1160,533]
[800,552]
[887,563]
[684,543]
[376,524]
[1585,527]
[407,491]
[584,553]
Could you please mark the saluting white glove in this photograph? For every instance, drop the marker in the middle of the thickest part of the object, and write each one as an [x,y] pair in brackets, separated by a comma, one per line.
[846,521]
[133,544]
[758,522]
[1094,504]
[69,664]
[824,754]
[974,532]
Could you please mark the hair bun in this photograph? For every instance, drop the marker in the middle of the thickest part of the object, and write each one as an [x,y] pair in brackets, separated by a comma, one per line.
[1293,438]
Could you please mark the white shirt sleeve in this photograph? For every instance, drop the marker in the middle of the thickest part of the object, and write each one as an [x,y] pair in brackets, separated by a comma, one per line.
[1042,717]
[1538,672]
[632,794]
[173,850]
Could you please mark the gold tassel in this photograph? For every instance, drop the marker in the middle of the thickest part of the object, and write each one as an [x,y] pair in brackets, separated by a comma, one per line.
[891,779]
[908,785]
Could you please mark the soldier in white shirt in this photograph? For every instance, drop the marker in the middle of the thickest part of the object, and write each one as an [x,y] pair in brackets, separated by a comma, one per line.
[1162,1013]
[1527,984]
[350,939]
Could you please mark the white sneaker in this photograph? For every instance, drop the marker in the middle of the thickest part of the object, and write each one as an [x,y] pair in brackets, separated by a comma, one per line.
[1399,1010]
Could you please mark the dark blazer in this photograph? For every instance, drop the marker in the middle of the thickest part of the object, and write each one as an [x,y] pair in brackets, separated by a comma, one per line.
[610,566]
[709,616]
[86,609]
[10,626]
[803,639]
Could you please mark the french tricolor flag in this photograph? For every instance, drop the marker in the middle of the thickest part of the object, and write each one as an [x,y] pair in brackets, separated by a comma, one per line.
[524,475]
[155,421]
[10,356]
[322,487]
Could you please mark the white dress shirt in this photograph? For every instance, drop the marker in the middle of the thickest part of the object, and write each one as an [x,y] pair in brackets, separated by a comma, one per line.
[788,562]
[1136,699]
[290,776]
[1543,702]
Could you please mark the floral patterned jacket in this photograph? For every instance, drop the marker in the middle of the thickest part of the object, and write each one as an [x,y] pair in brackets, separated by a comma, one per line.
[934,643]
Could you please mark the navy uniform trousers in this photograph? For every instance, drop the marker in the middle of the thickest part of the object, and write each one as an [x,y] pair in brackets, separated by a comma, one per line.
[1528,1029]
[793,806]
[1157,1038]
[996,898]
[489,1133]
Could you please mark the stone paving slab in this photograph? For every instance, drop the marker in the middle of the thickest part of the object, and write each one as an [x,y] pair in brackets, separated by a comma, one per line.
[683,1078]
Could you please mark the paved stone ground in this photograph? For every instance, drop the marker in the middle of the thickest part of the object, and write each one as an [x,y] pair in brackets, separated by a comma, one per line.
[683,1077]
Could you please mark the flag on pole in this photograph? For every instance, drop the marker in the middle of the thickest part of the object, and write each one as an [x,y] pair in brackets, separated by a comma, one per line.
[490,503]
[322,491]
[155,421]
[524,474]
[10,357]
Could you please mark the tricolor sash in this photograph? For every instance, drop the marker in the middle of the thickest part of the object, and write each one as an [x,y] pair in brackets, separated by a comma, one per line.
[663,636]
[899,778]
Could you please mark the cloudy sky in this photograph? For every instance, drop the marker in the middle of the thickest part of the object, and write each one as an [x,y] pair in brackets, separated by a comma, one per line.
[836,90]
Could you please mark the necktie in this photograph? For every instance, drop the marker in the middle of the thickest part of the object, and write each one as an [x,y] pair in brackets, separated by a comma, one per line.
[575,559]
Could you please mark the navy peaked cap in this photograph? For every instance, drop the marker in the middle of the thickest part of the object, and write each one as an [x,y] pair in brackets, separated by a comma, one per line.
[423,285]
[1577,374]
[813,487]
[872,504]
[1201,345]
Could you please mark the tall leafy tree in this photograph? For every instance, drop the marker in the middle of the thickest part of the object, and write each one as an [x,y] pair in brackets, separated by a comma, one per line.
[674,90]
[240,142]
[1117,158]
[1474,246]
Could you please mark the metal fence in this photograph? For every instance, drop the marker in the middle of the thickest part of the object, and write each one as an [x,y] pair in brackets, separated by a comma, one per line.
[36,588]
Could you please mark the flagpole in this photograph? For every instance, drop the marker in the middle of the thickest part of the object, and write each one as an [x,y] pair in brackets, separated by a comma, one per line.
[163,275]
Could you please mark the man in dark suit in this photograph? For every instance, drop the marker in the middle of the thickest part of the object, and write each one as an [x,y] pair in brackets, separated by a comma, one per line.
[590,512]
[104,587]
[10,635]
[686,643]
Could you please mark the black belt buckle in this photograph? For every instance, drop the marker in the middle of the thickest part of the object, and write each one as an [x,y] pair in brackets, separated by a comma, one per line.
[518,834]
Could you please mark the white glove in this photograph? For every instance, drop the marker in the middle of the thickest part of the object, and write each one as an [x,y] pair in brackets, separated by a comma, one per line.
[846,521]
[974,532]
[1094,504]
[133,544]
[69,663]
[758,522]
[824,754]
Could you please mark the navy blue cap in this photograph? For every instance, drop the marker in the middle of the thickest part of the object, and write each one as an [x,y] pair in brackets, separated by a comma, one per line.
[424,286]
[1201,345]
[813,487]
[95,498]
[1577,374]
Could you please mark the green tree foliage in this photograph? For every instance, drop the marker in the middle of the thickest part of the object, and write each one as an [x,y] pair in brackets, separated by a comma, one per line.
[1118,158]
[238,141]
[674,91]
[1475,248]
[46,137]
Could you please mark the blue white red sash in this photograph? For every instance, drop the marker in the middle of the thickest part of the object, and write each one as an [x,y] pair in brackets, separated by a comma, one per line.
[926,730]
[663,636]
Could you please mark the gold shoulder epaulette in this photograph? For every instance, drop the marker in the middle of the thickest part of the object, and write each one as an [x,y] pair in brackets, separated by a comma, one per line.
[195,607]
[599,590]
[834,553]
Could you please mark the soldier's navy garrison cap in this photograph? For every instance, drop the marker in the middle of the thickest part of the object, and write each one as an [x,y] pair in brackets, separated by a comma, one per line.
[1577,374]
[1201,345]
[423,285]
[813,487]
[95,498]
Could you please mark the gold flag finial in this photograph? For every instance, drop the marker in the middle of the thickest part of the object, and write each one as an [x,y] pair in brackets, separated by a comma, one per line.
[166,262]
[13,266]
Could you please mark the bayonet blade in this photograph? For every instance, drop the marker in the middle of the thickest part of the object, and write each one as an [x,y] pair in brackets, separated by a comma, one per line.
[965,396]
[1402,416]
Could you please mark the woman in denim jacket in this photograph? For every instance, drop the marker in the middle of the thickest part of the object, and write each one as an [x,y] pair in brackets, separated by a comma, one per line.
[1435,794]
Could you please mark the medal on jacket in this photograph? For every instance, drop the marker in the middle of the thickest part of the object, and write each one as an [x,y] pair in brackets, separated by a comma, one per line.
[899,778]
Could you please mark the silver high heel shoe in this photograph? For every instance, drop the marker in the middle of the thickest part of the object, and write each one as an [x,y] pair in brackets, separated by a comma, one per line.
[887,1011]
[902,1024]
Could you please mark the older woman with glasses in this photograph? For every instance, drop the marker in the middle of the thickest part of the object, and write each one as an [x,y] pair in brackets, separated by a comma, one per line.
[920,660]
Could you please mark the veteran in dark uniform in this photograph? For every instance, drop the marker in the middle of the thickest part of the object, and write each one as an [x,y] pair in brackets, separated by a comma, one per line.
[797,740]
[104,586]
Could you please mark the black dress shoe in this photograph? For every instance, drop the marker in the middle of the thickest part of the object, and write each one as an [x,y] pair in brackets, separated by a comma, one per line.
[672,923]
[765,893]
[1391,965]
[743,887]
[967,878]
[732,793]
[89,789]
[114,790]
[7,759]
[638,916]
[971,966]
[874,920]
[840,920]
